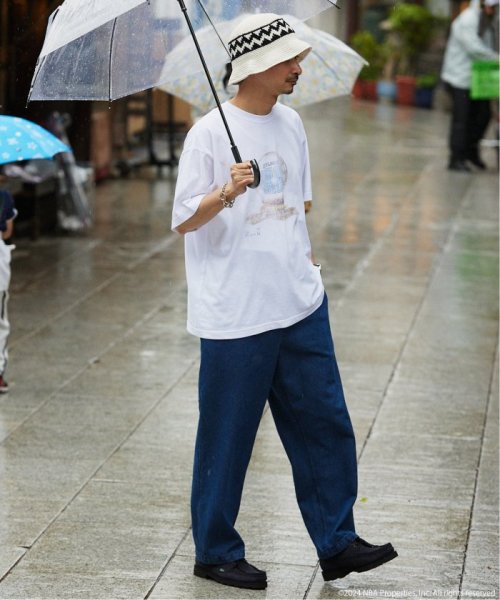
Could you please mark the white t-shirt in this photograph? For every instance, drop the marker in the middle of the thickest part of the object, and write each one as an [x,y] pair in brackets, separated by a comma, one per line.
[249,269]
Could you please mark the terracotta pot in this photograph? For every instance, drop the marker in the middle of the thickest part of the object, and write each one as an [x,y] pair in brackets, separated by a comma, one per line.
[405,90]
[357,90]
[370,89]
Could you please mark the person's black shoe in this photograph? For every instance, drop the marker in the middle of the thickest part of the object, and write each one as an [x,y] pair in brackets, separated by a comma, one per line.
[459,165]
[476,160]
[359,556]
[237,574]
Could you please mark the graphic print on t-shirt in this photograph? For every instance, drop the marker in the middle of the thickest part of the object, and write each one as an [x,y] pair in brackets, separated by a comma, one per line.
[273,178]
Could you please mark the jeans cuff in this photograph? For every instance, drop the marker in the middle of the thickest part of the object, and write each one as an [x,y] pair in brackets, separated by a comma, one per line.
[341,545]
[207,559]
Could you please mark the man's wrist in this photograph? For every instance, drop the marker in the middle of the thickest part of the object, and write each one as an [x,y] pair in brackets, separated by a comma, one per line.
[229,195]
[225,196]
[231,192]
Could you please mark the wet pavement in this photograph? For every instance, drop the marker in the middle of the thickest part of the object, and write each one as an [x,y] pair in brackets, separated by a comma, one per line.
[97,430]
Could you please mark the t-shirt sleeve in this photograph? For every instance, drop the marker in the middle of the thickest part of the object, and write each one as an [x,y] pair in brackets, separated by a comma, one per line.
[195,180]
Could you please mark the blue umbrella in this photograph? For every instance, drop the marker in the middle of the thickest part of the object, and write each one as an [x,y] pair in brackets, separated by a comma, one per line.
[23,140]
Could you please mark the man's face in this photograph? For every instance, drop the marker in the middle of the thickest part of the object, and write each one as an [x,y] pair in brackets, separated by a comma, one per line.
[282,78]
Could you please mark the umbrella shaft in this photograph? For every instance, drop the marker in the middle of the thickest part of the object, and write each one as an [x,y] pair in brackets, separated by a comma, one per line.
[234,148]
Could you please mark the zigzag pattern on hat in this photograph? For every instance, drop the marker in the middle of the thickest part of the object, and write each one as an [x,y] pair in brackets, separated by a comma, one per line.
[263,36]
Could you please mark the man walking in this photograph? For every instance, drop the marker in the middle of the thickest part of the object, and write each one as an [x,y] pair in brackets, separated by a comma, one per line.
[258,304]
[471,38]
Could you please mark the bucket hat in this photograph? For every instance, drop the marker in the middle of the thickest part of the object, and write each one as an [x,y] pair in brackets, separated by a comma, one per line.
[260,42]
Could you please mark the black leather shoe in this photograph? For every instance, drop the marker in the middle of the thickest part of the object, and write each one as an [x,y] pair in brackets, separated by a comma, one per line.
[359,556]
[459,165]
[475,159]
[236,574]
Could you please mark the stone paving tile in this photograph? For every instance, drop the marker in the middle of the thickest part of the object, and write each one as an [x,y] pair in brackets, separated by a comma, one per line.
[405,577]
[471,378]
[415,486]
[424,414]
[482,569]
[12,416]
[119,374]
[440,528]
[440,452]
[284,581]
[481,575]
[101,550]
[27,583]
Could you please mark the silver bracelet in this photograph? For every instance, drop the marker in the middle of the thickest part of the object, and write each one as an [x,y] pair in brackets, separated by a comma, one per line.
[226,203]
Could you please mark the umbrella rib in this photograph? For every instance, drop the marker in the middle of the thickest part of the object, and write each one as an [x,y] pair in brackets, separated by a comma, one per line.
[39,63]
[213,27]
[38,67]
[111,57]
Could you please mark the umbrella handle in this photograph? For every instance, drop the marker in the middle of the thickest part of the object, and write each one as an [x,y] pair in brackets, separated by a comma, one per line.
[256,174]
[253,163]
[234,149]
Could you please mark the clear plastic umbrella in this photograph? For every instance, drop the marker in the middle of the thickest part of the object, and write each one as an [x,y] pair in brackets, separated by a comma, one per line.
[329,70]
[103,50]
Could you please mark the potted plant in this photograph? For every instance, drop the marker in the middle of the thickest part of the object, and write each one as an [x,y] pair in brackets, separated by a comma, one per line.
[411,27]
[365,44]
[424,92]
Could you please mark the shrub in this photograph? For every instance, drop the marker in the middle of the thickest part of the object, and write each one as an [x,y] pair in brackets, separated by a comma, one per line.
[365,44]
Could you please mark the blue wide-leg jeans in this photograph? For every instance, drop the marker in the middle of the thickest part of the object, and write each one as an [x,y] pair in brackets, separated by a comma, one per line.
[296,371]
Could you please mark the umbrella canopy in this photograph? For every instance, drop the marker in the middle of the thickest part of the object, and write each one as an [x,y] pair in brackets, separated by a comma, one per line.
[102,50]
[23,140]
[329,70]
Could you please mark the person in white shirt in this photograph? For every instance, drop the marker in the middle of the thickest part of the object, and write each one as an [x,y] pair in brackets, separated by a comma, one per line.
[470,118]
[257,302]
